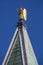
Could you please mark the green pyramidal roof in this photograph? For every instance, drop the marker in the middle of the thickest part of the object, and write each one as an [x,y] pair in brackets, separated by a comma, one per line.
[20,51]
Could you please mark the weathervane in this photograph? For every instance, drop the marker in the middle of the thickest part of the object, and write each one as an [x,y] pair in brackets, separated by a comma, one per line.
[22,14]
[22,17]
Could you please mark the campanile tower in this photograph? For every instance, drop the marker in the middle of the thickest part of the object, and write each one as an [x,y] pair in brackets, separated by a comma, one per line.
[20,51]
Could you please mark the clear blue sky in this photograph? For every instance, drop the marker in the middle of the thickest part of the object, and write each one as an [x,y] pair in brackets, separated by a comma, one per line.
[9,19]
